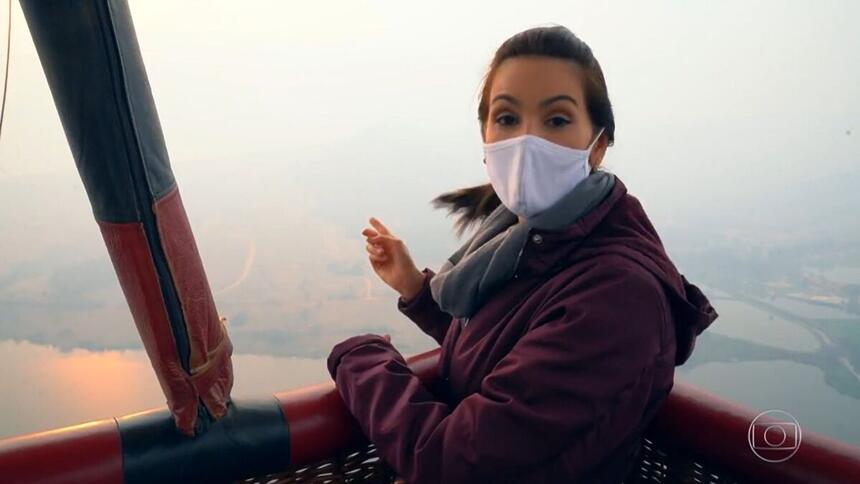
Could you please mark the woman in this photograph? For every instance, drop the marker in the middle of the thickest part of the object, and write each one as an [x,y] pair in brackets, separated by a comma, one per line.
[561,319]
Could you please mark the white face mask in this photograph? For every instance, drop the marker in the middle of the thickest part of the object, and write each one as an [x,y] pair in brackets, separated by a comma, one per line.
[530,173]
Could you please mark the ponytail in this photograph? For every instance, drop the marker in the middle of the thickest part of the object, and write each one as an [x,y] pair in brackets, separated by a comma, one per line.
[470,205]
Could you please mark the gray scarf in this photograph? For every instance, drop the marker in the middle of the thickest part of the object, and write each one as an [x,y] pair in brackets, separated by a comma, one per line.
[490,257]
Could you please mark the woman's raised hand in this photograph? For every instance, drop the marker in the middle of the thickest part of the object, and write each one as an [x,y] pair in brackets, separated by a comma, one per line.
[391,260]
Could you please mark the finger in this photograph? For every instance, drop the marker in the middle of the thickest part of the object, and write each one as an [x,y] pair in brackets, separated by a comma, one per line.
[377,258]
[368,232]
[382,240]
[374,249]
[379,226]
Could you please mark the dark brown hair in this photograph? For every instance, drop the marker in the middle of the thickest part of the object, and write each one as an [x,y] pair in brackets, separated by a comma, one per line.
[474,203]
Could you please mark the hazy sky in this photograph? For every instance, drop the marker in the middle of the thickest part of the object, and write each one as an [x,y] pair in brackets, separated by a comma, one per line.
[711,98]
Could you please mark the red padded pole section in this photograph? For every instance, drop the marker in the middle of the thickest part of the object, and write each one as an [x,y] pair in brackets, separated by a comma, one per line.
[210,347]
[717,429]
[319,423]
[129,252]
[89,452]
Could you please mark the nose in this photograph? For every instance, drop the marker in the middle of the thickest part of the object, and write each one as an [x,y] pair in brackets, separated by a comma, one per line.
[527,127]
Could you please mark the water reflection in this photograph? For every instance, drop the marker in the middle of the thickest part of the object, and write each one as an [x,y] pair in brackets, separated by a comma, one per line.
[44,387]
[742,320]
[766,356]
[759,330]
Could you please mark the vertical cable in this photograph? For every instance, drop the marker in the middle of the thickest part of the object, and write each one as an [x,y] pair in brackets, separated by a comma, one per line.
[6,76]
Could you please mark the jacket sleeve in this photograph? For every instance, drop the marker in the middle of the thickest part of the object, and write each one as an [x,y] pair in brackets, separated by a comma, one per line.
[423,310]
[568,393]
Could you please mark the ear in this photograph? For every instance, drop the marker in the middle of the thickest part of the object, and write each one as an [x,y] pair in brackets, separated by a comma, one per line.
[598,151]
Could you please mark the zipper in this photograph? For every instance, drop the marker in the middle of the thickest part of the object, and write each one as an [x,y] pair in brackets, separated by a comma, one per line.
[517,262]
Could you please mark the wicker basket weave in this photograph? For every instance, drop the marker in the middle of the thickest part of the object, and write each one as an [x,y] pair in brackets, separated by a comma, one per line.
[655,464]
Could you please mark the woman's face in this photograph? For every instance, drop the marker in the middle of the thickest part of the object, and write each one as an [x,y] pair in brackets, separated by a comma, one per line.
[541,96]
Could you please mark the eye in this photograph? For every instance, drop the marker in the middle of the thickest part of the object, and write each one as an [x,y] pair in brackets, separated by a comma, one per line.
[506,119]
[558,121]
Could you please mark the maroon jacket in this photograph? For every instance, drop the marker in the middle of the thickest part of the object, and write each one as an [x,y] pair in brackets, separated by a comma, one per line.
[554,379]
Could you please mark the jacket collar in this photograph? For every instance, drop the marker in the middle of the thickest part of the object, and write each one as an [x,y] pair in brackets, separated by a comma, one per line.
[547,247]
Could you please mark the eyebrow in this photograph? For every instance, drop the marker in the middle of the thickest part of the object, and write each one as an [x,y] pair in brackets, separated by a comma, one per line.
[544,103]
